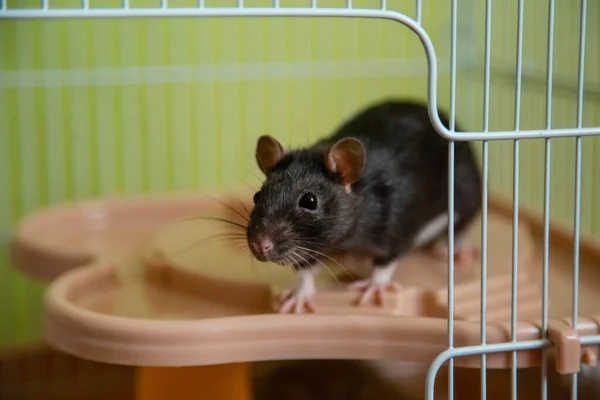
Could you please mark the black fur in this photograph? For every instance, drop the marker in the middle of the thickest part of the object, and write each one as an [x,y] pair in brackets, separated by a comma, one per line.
[403,186]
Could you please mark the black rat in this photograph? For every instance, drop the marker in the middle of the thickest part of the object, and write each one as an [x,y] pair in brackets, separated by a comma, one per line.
[378,186]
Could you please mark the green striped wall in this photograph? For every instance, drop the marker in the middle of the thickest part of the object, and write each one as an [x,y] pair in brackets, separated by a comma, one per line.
[97,107]
[533,111]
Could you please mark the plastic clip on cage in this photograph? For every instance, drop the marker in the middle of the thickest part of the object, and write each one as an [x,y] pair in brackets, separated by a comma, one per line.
[93,308]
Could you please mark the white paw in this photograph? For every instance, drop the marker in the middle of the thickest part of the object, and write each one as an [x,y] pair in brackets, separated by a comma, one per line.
[373,290]
[299,299]
[296,301]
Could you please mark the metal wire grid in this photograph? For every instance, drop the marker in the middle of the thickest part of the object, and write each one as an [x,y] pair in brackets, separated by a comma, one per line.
[515,346]
[413,24]
[548,133]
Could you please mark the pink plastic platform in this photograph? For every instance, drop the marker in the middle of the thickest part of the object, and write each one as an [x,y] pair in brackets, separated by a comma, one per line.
[134,283]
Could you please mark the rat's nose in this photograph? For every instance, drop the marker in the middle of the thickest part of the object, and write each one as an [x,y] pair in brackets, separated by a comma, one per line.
[262,245]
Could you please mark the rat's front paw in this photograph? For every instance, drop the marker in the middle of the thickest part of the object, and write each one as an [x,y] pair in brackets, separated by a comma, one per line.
[371,289]
[299,299]
[296,301]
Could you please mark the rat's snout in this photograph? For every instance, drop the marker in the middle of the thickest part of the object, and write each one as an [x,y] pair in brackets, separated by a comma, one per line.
[262,244]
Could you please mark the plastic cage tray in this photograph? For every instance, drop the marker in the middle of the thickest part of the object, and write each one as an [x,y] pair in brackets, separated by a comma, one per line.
[134,284]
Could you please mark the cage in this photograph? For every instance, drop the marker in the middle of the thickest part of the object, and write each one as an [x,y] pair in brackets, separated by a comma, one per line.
[103,101]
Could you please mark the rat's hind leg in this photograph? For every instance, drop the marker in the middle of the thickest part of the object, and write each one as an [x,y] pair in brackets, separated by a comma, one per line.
[432,230]
[299,299]
[379,282]
[467,204]
[464,252]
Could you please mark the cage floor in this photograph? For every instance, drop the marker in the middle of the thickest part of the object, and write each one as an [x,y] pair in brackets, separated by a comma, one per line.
[136,285]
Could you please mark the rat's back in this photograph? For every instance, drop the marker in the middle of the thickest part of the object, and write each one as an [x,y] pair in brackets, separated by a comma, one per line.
[400,128]
[404,184]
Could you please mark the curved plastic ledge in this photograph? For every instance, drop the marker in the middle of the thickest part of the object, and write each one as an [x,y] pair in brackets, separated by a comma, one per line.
[52,241]
[128,306]
[129,341]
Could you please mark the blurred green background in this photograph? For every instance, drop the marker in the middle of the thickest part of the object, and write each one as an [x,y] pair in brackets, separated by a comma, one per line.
[90,108]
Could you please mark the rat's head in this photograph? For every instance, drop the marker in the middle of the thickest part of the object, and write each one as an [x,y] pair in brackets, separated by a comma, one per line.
[306,205]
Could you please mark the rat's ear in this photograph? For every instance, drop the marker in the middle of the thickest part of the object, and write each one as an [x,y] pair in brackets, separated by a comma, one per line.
[268,152]
[346,157]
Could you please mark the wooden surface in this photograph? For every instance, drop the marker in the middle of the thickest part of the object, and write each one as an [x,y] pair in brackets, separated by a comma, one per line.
[222,382]
[37,372]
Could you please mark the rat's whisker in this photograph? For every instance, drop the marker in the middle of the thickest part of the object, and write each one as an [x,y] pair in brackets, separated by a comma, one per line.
[290,260]
[233,233]
[212,239]
[253,266]
[233,238]
[243,181]
[242,204]
[216,219]
[243,249]
[309,242]
[294,261]
[225,221]
[245,208]
[239,245]
[312,242]
[230,207]
[333,275]
[253,174]
[225,235]
[324,255]
[306,262]
[287,260]
[204,242]
[301,261]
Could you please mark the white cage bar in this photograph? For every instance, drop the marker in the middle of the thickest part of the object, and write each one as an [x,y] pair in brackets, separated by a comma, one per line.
[411,23]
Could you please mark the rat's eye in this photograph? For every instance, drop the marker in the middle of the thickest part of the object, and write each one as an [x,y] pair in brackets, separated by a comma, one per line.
[256,197]
[308,201]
